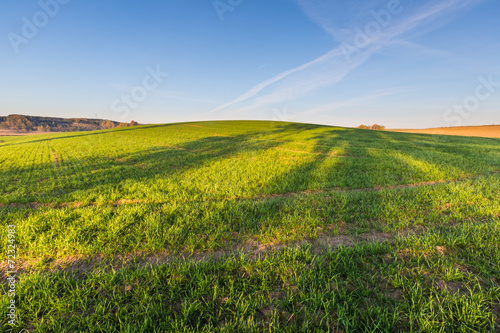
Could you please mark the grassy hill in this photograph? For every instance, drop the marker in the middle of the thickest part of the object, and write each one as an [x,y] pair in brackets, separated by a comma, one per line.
[244,226]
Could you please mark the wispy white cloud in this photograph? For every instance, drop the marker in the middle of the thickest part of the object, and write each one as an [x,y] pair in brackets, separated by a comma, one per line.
[258,88]
[377,94]
[333,66]
[321,13]
[418,49]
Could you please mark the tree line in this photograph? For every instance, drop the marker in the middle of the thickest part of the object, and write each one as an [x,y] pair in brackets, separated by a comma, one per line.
[372,127]
[21,123]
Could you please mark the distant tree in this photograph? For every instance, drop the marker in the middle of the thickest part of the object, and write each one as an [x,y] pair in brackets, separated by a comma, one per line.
[134,123]
[123,125]
[378,127]
[107,124]
[19,123]
[373,127]
[43,128]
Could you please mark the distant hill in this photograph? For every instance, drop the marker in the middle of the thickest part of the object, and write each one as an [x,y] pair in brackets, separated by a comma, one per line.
[25,124]
[487,131]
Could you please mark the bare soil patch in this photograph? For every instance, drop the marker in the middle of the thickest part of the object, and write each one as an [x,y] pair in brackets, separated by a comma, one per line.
[308,152]
[80,265]
[488,131]
[56,159]
[14,133]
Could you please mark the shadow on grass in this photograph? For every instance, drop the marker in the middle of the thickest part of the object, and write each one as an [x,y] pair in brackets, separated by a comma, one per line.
[335,158]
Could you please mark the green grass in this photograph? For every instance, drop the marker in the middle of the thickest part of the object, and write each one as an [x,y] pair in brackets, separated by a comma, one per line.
[417,217]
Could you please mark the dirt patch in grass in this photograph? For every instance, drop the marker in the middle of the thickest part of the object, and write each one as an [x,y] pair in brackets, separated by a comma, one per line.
[75,204]
[128,202]
[259,198]
[56,159]
[452,287]
[15,133]
[308,152]
[389,291]
[179,148]
[420,184]
[496,312]
[336,241]
[79,265]
[377,237]
[375,188]
[34,205]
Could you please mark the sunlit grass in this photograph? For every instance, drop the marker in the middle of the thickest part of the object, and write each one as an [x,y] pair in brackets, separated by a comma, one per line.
[417,218]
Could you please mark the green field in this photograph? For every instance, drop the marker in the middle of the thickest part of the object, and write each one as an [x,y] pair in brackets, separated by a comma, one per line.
[248,226]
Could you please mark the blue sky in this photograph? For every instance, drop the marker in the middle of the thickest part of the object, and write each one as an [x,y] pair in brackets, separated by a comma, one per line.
[404,64]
